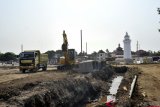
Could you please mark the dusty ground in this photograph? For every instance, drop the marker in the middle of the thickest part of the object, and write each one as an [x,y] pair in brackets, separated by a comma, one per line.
[149,83]
[13,77]
[147,89]
[18,89]
[13,82]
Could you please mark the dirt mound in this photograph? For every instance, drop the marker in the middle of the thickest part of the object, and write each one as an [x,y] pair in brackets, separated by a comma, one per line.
[61,93]
[8,93]
[64,93]
[29,85]
[122,69]
[74,90]
[104,74]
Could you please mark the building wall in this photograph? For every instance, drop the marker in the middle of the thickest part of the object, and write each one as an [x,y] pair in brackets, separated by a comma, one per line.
[102,56]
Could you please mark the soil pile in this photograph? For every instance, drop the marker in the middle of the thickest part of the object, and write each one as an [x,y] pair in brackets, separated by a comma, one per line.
[75,90]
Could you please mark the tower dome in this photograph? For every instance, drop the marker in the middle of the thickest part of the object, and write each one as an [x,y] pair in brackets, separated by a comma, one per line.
[126,36]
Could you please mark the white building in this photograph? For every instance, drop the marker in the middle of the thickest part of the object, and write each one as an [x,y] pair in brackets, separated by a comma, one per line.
[127,49]
[102,56]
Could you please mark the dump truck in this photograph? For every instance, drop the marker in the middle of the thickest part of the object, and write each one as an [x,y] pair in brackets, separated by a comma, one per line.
[32,60]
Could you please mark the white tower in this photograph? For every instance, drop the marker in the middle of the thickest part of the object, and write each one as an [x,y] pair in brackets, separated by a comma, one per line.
[127,48]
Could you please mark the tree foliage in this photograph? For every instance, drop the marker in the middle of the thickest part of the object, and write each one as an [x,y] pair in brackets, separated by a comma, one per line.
[142,53]
[156,53]
[101,51]
[8,56]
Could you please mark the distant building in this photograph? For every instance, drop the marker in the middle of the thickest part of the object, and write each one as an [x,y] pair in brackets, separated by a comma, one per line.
[140,60]
[102,55]
[119,55]
[92,56]
[127,49]
[119,50]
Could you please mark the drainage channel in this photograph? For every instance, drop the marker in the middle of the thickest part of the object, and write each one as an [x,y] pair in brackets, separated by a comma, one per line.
[112,93]
[113,89]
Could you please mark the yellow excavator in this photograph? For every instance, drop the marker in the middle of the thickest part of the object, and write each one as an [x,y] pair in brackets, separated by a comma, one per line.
[68,60]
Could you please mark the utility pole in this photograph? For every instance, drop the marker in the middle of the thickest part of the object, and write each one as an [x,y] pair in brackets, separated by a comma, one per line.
[137,51]
[81,40]
[86,48]
[137,46]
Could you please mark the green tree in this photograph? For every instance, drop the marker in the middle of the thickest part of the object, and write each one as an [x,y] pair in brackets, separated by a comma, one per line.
[101,51]
[109,54]
[1,56]
[156,53]
[8,56]
[142,53]
[94,53]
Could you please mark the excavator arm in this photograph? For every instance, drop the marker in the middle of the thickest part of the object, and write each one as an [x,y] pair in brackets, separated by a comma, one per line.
[68,60]
[65,48]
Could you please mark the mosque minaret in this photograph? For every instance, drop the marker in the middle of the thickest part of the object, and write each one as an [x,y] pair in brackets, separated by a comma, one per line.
[127,48]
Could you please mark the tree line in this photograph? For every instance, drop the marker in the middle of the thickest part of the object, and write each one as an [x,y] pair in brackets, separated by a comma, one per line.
[8,56]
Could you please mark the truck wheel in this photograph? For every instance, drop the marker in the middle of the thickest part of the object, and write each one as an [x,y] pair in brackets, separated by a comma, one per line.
[32,70]
[44,68]
[35,69]
[58,67]
[23,70]
[20,70]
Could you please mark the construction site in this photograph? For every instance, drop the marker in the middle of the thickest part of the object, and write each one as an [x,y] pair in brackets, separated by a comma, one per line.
[70,83]
[53,68]
[53,88]
[86,83]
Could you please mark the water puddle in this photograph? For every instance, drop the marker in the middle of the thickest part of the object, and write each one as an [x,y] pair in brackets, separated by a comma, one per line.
[115,84]
[113,89]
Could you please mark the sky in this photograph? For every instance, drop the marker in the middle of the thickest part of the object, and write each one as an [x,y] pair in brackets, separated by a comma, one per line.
[39,24]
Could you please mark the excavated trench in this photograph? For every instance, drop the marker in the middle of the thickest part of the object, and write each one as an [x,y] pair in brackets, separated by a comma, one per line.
[75,91]
[65,93]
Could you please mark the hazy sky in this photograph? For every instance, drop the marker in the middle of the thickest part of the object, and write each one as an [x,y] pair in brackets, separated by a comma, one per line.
[39,24]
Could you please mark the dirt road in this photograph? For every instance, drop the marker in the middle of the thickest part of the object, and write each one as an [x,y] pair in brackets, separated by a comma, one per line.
[13,77]
[149,83]
[10,74]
